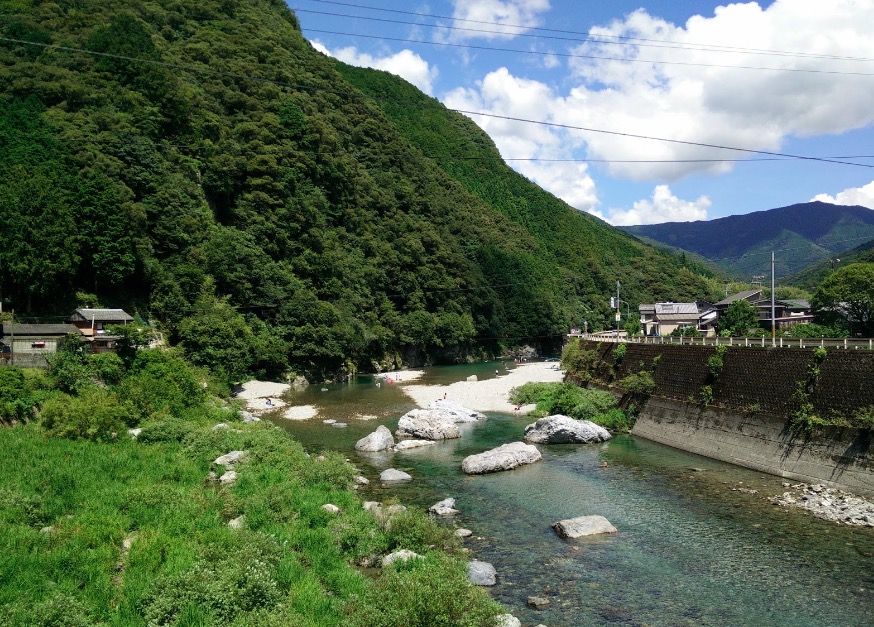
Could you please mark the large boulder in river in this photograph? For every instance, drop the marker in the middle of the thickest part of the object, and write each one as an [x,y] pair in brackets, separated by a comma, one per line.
[392,474]
[455,412]
[583,526]
[504,457]
[379,440]
[426,424]
[560,429]
[481,573]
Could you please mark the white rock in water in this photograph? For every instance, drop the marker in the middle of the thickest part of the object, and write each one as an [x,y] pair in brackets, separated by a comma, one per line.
[481,573]
[455,412]
[561,429]
[472,377]
[390,474]
[504,457]
[507,620]
[379,440]
[583,526]
[360,480]
[229,459]
[463,533]
[406,445]
[446,507]
[428,425]
[403,555]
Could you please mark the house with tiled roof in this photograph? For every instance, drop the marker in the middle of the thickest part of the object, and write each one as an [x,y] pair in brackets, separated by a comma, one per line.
[92,324]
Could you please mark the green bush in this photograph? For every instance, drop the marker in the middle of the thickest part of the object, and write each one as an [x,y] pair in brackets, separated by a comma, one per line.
[564,398]
[639,383]
[615,420]
[619,353]
[159,381]
[579,362]
[816,330]
[431,592]
[716,362]
[707,394]
[96,414]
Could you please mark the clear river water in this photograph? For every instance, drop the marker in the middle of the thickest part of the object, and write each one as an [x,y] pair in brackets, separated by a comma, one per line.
[692,549]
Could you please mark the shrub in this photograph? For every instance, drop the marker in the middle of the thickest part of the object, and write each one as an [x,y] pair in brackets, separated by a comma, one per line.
[639,383]
[580,362]
[619,353]
[706,394]
[716,361]
[96,414]
[864,418]
[615,420]
[431,592]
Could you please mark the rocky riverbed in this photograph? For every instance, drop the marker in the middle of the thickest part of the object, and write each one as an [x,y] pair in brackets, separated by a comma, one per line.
[828,503]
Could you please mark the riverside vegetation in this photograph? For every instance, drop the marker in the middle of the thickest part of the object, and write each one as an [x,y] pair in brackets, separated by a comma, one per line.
[103,529]
[274,210]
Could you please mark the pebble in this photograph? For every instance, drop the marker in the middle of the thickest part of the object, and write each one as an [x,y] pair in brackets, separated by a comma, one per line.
[829,504]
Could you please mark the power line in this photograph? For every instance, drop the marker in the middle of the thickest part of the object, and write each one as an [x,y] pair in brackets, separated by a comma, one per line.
[491,115]
[587,36]
[588,56]
[451,157]
[661,139]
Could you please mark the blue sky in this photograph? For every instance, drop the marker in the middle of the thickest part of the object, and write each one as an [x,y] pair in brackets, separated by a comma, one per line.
[663,69]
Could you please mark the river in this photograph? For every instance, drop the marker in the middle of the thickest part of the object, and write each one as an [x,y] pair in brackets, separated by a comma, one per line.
[692,547]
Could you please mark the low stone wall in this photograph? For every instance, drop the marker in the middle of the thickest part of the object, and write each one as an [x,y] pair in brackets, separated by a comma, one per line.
[27,360]
[839,457]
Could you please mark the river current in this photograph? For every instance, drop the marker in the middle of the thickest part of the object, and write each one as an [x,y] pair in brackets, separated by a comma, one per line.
[695,545]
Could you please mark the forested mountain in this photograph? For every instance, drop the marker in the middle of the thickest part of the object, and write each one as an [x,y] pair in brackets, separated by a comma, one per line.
[203,165]
[803,234]
[812,276]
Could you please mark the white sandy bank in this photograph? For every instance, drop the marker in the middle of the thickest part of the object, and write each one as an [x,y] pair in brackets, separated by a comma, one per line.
[488,395]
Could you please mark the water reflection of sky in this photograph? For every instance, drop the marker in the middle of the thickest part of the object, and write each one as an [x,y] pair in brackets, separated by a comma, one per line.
[690,551]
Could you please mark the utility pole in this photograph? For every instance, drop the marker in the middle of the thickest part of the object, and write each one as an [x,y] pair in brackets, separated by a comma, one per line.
[618,314]
[773,317]
[12,339]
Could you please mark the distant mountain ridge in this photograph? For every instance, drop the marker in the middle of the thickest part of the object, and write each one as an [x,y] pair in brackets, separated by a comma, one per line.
[802,234]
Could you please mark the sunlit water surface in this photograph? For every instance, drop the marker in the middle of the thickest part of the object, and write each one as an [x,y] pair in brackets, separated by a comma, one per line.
[690,550]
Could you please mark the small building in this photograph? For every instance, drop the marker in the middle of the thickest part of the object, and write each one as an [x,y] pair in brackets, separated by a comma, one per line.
[787,313]
[92,325]
[663,318]
[28,344]
[751,296]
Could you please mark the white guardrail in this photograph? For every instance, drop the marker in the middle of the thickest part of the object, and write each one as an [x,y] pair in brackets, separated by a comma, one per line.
[762,342]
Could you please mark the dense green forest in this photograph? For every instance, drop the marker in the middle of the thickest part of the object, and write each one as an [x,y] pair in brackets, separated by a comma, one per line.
[271,209]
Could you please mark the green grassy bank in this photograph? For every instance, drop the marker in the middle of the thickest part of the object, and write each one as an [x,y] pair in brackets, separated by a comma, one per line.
[102,529]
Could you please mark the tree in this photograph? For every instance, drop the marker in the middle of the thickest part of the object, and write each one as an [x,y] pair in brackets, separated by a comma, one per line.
[739,317]
[848,293]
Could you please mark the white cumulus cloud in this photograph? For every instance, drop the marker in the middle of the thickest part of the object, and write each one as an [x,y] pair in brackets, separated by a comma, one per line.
[719,102]
[539,152]
[495,19]
[863,196]
[663,207]
[406,64]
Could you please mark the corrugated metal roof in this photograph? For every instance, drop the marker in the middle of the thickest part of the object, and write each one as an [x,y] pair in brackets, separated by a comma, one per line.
[646,308]
[678,317]
[101,315]
[662,309]
[39,329]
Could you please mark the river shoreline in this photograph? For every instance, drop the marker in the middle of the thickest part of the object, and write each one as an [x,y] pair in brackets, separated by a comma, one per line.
[490,394]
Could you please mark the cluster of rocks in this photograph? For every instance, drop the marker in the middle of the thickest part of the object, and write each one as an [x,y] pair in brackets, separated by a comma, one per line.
[828,503]
[228,460]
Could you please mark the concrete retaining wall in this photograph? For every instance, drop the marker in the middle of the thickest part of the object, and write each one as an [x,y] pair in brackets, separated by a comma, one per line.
[753,398]
[840,457]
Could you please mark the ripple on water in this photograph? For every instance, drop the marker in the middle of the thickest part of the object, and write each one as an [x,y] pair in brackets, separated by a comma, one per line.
[689,550]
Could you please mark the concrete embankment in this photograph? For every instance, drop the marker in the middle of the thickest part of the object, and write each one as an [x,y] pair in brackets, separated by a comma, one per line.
[839,457]
[746,422]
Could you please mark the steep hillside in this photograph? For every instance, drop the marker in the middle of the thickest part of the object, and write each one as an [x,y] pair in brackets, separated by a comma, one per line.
[812,276]
[804,234]
[201,164]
